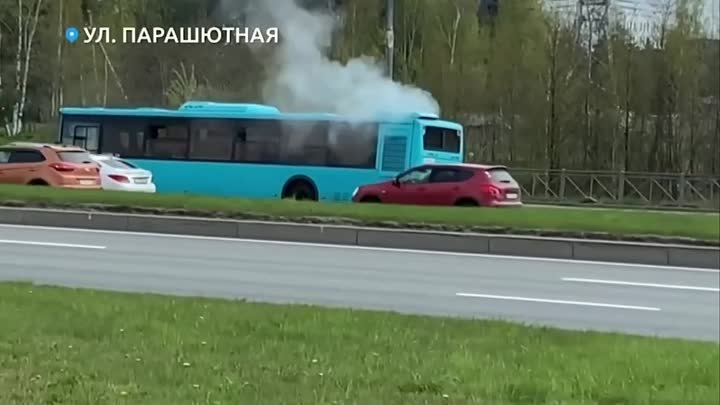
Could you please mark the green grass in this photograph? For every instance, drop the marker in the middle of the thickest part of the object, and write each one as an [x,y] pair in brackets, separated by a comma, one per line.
[620,222]
[42,133]
[63,346]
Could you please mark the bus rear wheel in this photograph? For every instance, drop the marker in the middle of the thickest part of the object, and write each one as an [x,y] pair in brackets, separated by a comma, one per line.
[300,190]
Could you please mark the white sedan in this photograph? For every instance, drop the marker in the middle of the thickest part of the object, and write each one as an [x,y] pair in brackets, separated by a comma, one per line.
[120,175]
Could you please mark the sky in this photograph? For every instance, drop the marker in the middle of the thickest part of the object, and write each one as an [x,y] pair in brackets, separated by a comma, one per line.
[712,12]
[643,16]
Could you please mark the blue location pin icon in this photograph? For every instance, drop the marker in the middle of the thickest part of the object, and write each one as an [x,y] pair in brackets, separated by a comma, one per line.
[72,34]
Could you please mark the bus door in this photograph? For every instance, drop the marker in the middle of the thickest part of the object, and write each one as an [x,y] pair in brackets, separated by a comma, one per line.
[84,135]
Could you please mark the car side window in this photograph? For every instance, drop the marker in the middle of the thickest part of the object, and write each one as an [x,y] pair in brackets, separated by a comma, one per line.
[445,176]
[416,176]
[4,156]
[450,175]
[466,175]
[26,156]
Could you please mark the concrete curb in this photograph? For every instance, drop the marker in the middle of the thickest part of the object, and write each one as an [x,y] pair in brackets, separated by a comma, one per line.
[508,245]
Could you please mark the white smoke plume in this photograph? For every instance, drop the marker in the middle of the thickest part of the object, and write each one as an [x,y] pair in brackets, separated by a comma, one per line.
[303,78]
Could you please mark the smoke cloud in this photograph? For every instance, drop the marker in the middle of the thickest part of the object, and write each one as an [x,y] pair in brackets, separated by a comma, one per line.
[303,78]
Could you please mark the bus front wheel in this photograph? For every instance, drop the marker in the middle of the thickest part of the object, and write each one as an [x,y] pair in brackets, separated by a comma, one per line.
[300,190]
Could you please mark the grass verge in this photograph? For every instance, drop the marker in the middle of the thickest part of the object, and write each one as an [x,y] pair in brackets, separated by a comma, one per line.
[576,222]
[88,347]
[42,133]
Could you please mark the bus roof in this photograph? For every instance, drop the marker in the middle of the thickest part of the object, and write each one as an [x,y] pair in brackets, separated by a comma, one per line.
[207,109]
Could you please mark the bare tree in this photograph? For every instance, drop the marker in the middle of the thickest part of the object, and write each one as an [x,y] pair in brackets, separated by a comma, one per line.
[1,63]
[450,33]
[27,27]
[57,92]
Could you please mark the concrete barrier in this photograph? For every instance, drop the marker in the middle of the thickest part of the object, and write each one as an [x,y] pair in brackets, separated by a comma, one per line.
[289,232]
[419,240]
[621,252]
[182,226]
[696,257]
[62,218]
[507,245]
[532,246]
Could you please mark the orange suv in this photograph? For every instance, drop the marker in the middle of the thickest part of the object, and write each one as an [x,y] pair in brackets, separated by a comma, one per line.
[48,165]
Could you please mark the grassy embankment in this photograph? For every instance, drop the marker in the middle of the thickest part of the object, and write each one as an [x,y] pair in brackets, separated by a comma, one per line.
[617,222]
[84,347]
[41,133]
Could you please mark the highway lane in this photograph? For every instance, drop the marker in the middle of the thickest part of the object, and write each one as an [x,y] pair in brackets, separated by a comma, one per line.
[635,299]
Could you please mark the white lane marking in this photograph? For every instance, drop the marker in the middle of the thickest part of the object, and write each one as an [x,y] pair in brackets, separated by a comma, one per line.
[635,284]
[50,244]
[369,248]
[548,301]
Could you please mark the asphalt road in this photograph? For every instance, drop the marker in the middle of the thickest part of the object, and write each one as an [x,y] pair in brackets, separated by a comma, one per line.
[634,299]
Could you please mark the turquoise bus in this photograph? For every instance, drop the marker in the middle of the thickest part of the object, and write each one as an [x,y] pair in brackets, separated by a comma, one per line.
[257,151]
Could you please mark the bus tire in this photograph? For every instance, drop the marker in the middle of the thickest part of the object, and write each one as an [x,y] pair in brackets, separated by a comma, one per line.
[301,190]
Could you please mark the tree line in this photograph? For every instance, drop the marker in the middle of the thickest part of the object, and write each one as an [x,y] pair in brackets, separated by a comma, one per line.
[531,89]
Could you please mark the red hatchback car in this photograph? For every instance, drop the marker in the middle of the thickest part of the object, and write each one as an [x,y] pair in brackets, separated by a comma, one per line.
[453,184]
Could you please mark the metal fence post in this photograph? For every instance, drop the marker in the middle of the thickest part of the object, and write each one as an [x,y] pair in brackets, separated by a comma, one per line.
[562,184]
[621,186]
[681,189]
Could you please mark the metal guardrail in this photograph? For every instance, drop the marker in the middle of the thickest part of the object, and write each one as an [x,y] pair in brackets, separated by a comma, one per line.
[619,188]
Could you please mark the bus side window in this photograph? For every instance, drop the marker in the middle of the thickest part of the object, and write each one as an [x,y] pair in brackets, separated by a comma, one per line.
[353,145]
[261,143]
[433,139]
[304,142]
[125,139]
[240,145]
[441,140]
[212,140]
[167,141]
